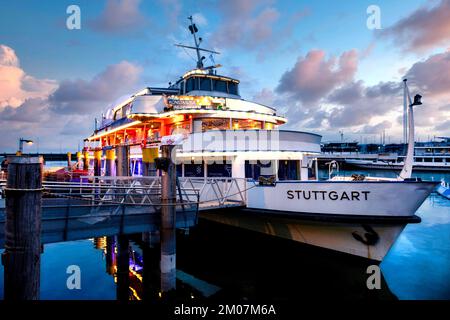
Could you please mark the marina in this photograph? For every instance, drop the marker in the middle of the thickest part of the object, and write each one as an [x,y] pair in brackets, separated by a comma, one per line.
[192,192]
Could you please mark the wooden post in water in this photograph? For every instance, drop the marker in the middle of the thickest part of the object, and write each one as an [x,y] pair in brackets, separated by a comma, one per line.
[110,166]
[79,159]
[69,159]
[22,256]
[149,169]
[85,159]
[97,162]
[122,161]
[168,210]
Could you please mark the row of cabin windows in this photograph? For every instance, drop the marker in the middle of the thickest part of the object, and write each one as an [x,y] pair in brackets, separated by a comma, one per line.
[208,84]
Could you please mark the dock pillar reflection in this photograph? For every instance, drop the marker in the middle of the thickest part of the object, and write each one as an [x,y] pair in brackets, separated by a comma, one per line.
[123,267]
[22,256]
[110,255]
[168,210]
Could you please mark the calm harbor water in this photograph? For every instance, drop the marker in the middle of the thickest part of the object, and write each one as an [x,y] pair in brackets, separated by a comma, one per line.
[223,262]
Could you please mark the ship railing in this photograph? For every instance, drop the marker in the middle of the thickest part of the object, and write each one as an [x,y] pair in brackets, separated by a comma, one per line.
[106,192]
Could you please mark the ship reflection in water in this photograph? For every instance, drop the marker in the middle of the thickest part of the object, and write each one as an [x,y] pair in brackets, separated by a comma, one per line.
[217,263]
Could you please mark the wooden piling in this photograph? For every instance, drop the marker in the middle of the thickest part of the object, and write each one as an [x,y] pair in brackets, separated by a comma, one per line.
[69,159]
[22,256]
[85,160]
[168,235]
[122,161]
[97,162]
[79,159]
[110,166]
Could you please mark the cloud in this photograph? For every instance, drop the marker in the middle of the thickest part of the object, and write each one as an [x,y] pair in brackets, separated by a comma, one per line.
[33,110]
[15,85]
[424,29]
[120,16]
[377,128]
[245,24]
[432,75]
[8,57]
[314,76]
[79,96]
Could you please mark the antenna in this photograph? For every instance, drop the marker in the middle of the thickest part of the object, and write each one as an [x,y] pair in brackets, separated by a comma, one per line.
[194,30]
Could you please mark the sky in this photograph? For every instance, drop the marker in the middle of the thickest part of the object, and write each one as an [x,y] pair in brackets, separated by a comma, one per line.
[325,65]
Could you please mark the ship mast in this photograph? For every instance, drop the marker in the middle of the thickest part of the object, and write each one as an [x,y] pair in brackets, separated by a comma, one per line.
[193,29]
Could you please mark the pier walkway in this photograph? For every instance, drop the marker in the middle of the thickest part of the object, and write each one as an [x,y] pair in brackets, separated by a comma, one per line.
[102,206]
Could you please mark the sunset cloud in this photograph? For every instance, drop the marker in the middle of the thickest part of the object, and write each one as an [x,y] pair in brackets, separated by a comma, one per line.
[15,85]
[424,29]
[314,76]
[120,16]
[79,96]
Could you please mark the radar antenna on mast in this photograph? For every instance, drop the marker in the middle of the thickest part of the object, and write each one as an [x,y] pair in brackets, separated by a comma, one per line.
[194,30]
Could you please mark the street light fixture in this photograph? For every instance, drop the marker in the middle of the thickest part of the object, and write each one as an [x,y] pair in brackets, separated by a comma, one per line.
[21,141]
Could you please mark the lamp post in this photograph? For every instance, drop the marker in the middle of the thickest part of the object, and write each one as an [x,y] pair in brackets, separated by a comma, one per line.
[21,141]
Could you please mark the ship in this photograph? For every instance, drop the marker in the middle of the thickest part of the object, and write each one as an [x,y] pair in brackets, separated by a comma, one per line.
[224,137]
[428,156]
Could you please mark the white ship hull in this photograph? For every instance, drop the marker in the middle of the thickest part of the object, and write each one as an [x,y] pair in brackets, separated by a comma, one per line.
[390,199]
[334,236]
[357,218]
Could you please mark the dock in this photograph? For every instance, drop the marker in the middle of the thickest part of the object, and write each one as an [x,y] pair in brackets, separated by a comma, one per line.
[104,206]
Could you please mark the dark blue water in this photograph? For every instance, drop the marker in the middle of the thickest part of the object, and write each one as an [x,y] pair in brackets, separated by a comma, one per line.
[417,266]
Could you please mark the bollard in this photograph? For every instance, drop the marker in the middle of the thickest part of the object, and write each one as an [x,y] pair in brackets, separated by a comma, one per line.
[122,161]
[22,256]
[110,168]
[97,162]
[167,234]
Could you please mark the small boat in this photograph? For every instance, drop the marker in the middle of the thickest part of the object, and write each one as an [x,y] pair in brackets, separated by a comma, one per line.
[444,189]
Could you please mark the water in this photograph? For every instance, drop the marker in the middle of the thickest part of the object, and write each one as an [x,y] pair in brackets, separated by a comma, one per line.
[234,264]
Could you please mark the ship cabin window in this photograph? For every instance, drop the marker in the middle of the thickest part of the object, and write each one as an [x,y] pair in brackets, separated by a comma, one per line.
[205,84]
[246,124]
[192,84]
[215,124]
[208,84]
[288,170]
[219,85]
[232,88]
[180,128]
[194,170]
[219,170]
